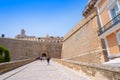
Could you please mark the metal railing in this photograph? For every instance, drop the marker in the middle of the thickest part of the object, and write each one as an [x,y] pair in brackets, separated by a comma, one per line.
[109,25]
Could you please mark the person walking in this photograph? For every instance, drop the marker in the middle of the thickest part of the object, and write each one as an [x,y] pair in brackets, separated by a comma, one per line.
[48,60]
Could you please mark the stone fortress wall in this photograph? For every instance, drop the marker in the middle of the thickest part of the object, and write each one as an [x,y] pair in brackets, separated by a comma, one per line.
[24,49]
[82,42]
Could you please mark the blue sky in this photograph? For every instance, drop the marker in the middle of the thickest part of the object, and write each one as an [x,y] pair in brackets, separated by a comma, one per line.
[39,17]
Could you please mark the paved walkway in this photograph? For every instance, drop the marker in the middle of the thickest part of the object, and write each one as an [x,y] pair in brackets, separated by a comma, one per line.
[38,70]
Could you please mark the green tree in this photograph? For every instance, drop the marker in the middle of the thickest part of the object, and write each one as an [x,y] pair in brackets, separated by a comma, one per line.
[4,54]
[7,56]
[1,59]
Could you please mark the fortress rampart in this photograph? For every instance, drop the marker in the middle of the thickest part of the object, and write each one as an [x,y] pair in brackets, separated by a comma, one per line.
[24,49]
[82,42]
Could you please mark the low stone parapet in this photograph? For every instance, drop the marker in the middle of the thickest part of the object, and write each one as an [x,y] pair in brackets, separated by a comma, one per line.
[93,71]
[4,67]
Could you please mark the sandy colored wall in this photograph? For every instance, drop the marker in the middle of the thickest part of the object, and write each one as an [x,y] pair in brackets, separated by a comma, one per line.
[21,49]
[113,43]
[92,71]
[4,67]
[104,14]
[105,17]
[102,3]
[83,41]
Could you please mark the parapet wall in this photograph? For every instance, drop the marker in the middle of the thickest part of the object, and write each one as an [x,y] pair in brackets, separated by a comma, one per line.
[23,49]
[92,71]
[4,67]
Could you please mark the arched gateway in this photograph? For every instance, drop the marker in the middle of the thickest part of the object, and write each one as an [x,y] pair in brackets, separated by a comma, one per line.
[43,54]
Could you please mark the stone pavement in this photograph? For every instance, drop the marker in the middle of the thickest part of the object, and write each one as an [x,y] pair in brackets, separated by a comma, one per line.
[38,70]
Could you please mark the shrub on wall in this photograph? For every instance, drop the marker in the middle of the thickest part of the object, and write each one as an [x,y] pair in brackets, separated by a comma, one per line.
[4,54]
[1,59]
[7,56]
[1,54]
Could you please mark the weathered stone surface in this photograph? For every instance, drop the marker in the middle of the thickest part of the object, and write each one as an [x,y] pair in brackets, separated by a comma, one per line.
[4,67]
[93,71]
[82,42]
[23,49]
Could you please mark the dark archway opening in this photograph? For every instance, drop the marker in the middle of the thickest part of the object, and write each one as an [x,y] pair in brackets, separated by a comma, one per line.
[44,55]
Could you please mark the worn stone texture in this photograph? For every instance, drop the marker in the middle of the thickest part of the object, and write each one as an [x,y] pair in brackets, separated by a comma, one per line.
[93,71]
[23,49]
[83,41]
[4,67]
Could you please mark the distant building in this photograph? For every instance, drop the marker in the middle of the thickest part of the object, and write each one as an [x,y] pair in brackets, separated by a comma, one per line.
[47,38]
[23,36]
